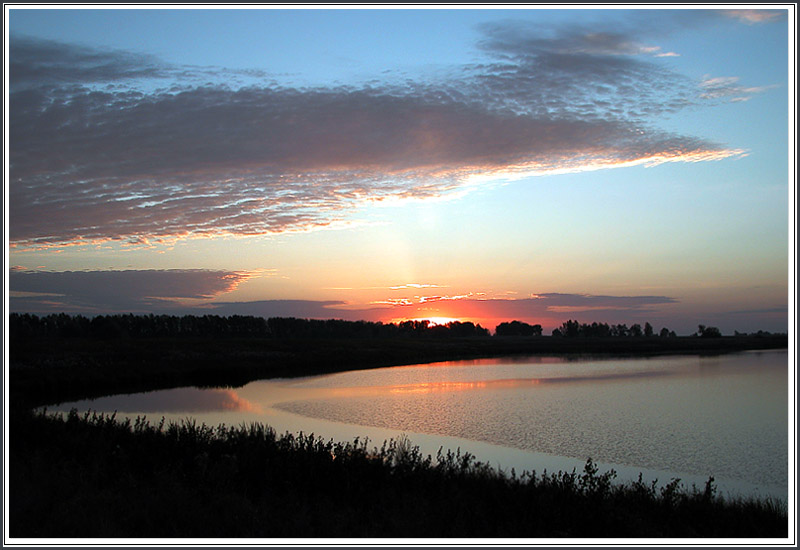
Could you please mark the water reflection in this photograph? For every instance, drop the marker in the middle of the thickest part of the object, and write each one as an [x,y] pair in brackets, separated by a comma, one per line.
[180,400]
[435,387]
[724,416]
[544,369]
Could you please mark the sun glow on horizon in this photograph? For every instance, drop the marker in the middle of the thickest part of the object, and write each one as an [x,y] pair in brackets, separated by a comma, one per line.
[436,321]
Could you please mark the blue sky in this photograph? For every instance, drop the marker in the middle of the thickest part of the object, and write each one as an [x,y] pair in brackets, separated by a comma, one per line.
[605,165]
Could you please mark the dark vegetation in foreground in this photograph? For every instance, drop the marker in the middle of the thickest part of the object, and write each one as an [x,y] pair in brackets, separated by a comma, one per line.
[93,476]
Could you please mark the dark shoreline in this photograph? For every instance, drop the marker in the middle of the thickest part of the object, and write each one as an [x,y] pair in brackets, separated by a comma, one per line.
[98,477]
[52,370]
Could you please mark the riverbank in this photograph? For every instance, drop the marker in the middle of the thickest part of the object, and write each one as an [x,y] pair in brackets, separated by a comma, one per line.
[91,476]
[50,370]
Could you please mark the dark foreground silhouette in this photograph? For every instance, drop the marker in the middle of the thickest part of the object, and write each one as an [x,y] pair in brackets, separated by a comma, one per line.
[94,477]
[91,476]
[61,358]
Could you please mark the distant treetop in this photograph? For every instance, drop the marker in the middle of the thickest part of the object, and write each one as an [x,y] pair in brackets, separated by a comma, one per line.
[136,326]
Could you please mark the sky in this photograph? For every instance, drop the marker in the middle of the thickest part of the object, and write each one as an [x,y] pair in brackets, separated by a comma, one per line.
[609,165]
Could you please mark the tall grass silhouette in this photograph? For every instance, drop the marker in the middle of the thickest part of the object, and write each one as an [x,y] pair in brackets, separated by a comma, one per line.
[93,475]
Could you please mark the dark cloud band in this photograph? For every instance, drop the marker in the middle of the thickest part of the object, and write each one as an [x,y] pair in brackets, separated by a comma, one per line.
[116,291]
[118,146]
[170,291]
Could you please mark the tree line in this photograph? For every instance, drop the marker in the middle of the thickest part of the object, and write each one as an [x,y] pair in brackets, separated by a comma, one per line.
[572,329]
[27,325]
[151,325]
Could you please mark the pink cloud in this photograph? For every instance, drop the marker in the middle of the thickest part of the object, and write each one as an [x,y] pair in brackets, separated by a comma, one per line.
[756,16]
[92,163]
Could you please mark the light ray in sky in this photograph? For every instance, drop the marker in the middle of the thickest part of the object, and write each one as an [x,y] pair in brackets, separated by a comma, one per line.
[532,164]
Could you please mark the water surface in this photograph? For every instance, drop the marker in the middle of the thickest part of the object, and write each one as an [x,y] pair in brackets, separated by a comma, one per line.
[677,416]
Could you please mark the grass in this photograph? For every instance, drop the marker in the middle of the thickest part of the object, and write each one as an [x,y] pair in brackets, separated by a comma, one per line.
[92,475]
[95,476]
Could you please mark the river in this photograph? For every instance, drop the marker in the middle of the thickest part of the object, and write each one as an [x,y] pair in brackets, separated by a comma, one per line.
[687,417]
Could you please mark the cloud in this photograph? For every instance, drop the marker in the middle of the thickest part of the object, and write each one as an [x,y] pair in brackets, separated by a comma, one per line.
[120,146]
[415,286]
[395,302]
[780,311]
[139,291]
[548,304]
[728,87]
[181,292]
[37,62]
[302,309]
[190,292]
[591,71]
[756,16]
[467,306]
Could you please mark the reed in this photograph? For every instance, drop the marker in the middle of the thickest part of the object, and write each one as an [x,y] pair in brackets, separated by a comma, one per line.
[94,475]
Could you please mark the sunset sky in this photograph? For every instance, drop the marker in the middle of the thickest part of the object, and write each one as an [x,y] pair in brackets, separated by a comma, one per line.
[607,165]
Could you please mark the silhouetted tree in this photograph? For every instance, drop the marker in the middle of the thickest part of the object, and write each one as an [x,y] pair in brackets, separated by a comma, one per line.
[517,328]
[708,332]
[570,328]
[619,331]
[598,330]
[214,326]
[648,330]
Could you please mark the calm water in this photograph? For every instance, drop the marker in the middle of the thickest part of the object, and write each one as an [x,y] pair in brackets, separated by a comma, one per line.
[685,416]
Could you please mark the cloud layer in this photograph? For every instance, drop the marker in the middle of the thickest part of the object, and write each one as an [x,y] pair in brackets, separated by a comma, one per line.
[200,292]
[108,145]
[140,291]
[180,291]
[538,308]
